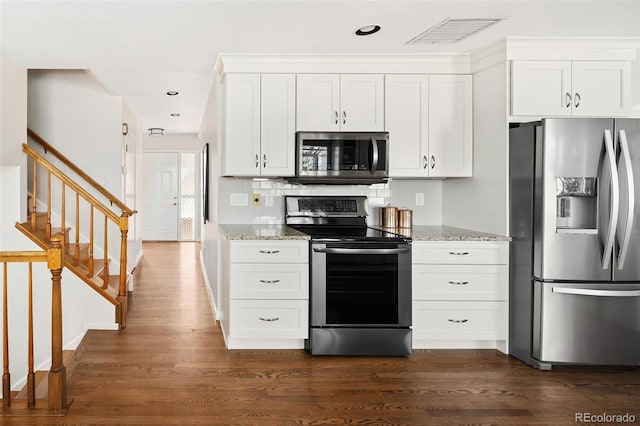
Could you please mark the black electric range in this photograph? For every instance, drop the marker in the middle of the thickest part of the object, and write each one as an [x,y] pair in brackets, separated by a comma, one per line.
[360,278]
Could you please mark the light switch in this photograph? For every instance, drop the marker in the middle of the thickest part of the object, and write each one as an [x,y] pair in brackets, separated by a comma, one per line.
[239,199]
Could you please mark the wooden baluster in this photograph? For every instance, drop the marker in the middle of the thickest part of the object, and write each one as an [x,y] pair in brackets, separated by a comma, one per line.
[105,269]
[76,252]
[90,264]
[63,220]
[57,374]
[122,291]
[31,375]
[34,201]
[6,376]
[48,230]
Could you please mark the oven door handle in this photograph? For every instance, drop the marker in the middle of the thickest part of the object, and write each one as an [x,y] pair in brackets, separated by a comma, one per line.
[362,251]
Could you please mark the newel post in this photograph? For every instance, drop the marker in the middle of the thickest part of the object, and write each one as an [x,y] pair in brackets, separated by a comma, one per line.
[58,373]
[122,290]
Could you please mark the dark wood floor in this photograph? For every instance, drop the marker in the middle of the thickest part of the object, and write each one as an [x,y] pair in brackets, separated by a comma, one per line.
[170,366]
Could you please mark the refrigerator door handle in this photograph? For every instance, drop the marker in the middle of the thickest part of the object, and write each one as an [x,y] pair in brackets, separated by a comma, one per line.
[631,203]
[594,292]
[615,200]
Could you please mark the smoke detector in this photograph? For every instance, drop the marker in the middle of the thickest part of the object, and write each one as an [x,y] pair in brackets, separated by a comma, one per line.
[453,30]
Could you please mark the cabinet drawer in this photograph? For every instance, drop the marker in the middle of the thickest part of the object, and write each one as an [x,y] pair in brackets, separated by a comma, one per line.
[269,319]
[460,282]
[269,281]
[474,252]
[459,320]
[269,251]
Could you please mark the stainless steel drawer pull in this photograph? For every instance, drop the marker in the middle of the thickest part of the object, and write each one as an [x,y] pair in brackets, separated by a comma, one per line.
[271,319]
[269,281]
[459,282]
[458,321]
[459,253]
[269,251]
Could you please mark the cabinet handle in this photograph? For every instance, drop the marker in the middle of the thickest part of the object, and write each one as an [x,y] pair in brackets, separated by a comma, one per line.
[433,162]
[269,251]
[257,161]
[264,158]
[458,282]
[344,117]
[567,99]
[577,98]
[271,319]
[425,161]
[269,281]
[459,253]
[457,321]
[337,116]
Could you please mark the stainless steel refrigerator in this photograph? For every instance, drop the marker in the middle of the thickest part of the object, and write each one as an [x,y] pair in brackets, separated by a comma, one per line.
[574,191]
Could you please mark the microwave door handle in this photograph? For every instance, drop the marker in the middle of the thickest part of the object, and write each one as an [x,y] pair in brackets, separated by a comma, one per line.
[374,164]
[626,157]
[615,200]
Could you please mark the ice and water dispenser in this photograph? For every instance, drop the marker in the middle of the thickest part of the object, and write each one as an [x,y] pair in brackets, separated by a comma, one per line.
[577,206]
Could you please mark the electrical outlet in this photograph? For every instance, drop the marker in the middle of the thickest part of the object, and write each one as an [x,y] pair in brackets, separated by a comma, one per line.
[419,198]
[255,200]
[268,200]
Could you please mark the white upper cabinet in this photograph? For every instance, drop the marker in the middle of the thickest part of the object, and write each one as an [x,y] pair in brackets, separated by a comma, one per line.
[259,125]
[570,88]
[333,102]
[429,120]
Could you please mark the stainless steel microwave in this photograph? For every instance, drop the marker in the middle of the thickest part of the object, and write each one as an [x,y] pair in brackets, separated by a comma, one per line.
[342,157]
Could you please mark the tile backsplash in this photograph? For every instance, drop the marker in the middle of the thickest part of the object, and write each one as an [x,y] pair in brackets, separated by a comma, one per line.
[399,193]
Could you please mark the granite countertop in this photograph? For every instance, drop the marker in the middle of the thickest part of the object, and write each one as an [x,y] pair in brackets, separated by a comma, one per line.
[417,233]
[261,232]
[445,233]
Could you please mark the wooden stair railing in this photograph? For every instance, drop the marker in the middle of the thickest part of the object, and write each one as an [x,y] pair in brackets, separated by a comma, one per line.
[57,393]
[79,256]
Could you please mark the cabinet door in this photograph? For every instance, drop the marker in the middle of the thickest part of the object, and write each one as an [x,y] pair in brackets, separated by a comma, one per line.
[277,127]
[450,125]
[541,88]
[406,117]
[318,102]
[241,132]
[361,102]
[601,88]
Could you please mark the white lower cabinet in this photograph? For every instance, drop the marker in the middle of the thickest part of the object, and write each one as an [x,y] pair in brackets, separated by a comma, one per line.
[266,294]
[460,294]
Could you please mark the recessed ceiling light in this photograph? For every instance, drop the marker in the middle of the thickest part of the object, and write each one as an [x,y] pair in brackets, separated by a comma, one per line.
[368,30]
[172,92]
[156,131]
[175,114]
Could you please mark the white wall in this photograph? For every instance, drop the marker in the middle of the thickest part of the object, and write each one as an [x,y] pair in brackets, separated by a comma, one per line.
[13,120]
[173,142]
[480,202]
[133,188]
[75,114]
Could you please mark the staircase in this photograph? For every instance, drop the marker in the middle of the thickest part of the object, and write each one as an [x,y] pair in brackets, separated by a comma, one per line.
[48,184]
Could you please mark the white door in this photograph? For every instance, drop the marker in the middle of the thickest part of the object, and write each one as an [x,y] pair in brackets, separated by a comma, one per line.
[541,88]
[407,121]
[318,102]
[601,88]
[161,196]
[278,125]
[362,102]
[450,126]
[242,125]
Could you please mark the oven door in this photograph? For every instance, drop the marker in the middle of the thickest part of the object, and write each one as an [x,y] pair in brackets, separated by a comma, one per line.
[359,284]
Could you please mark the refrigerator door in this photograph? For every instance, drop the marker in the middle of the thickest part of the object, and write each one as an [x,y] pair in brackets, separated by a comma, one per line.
[587,323]
[627,252]
[575,200]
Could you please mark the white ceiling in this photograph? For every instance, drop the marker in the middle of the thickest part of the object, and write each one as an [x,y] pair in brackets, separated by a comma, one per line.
[141,49]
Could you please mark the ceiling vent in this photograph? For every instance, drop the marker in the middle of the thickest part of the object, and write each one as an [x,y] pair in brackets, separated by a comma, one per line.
[452,30]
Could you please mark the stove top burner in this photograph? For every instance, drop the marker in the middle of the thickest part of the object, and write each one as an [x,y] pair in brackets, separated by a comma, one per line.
[348,233]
